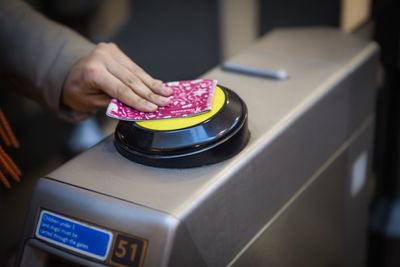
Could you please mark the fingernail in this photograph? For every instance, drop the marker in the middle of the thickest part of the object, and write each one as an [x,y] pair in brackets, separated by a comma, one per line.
[151,106]
[166,89]
[164,100]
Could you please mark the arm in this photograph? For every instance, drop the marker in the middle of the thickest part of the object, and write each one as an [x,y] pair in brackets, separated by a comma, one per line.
[36,54]
[65,72]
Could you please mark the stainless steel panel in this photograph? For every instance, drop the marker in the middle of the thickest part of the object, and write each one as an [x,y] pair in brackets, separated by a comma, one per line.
[322,224]
[256,191]
[37,253]
[108,213]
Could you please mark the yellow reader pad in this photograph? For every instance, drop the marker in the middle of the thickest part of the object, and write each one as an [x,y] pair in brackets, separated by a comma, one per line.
[180,123]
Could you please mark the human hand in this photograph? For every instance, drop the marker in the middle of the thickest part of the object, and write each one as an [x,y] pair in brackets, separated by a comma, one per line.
[107,72]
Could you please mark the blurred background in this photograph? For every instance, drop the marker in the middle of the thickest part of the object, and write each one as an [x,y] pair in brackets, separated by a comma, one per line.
[179,40]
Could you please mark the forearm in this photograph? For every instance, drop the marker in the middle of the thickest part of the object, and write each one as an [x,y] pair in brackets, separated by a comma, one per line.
[37,53]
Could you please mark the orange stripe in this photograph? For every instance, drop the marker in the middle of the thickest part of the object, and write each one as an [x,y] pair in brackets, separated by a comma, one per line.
[8,129]
[4,136]
[4,181]
[10,161]
[8,169]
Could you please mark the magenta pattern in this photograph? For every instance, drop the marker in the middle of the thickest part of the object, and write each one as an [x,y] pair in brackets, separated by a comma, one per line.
[189,98]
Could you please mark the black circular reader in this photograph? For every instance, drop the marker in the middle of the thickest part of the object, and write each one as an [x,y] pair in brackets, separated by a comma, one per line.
[187,142]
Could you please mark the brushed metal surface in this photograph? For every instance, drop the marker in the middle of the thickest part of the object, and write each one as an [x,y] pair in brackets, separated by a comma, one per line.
[105,212]
[322,224]
[37,253]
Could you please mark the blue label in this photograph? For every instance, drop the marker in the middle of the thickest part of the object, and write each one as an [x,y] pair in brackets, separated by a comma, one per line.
[74,235]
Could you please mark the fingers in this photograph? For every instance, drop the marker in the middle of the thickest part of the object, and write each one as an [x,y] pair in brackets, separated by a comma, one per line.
[117,89]
[80,99]
[108,72]
[135,84]
[153,84]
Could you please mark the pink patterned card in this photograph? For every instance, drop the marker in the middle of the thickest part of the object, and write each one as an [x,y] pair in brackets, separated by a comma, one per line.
[189,98]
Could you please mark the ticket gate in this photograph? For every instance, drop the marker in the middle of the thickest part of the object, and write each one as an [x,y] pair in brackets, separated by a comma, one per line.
[295,195]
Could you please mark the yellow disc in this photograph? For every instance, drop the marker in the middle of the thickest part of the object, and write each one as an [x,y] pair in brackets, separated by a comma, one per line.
[180,123]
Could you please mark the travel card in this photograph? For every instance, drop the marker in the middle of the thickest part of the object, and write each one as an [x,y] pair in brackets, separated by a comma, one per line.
[189,98]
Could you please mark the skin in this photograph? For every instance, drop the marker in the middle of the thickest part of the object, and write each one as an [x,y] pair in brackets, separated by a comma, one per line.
[107,72]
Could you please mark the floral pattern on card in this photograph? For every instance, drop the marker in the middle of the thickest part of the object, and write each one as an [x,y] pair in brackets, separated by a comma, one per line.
[189,98]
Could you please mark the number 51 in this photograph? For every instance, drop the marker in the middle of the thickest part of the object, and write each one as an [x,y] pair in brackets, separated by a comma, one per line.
[124,247]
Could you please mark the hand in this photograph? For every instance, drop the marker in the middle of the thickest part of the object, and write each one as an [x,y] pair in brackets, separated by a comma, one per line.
[107,72]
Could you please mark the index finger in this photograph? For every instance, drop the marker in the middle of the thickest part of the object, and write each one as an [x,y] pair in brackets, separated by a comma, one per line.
[154,84]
